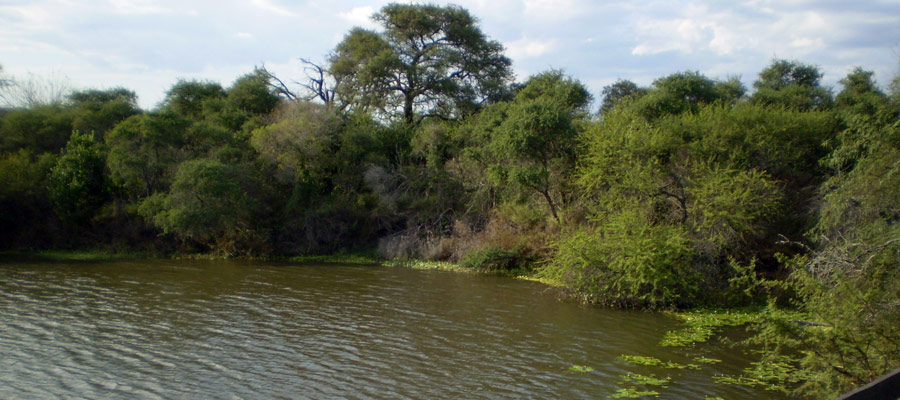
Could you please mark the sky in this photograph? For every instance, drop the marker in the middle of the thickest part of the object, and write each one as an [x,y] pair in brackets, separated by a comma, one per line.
[146,45]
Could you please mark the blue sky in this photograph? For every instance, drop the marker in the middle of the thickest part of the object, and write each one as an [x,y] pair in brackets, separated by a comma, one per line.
[147,45]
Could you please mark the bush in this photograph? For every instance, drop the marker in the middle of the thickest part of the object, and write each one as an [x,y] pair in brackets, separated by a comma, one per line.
[493,259]
[629,262]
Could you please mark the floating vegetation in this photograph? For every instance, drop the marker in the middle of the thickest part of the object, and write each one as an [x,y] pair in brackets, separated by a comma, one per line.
[736,380]
[647,380]
[706,360]
[356,259]
[687,336]
[633,393]
[580,368]
[714,398]
[772,374]
[540,279]
[703,324]
[428,265]
[640,360]
[652,361]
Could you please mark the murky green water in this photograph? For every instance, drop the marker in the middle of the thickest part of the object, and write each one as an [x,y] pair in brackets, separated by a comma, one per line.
[221,329]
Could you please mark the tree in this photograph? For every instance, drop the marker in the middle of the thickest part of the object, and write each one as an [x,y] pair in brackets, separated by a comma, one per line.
[617,92]
[252,93]
[299,143]
[209,203]
[187,97]
[861,95]
[535,144]
[250,98]
[862,106]
[686,92]
[24,205]
[678,205]
[791,84]
[848,281]
[98,111]
[43,129]
[428,61]
[78,186]
[144,149]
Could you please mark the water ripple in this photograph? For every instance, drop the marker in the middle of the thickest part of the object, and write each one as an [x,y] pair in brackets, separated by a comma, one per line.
[212,329]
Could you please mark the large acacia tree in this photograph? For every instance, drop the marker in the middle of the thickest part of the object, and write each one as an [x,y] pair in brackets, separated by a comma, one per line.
[428,61]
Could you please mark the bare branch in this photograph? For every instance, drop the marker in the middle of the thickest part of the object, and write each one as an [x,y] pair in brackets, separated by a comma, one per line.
[34,91]
[318,82]
[280,87]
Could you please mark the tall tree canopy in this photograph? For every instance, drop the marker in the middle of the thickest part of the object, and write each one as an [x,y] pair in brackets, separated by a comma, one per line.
[791,84]
[428,61]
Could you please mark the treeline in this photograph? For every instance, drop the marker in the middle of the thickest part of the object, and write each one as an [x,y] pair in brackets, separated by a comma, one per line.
[414,141]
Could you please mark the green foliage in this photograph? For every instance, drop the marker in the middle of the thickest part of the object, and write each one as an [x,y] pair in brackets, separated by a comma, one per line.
[845,333]
[496,259]
[40,129]
[187,98]
[773,373]
[626,261]
[252,93]
[24,175]
[618,92]
[730,207]
[24,200]
[98,111]
[209,203]
[715,179]
[791,84]
[78,184]
[144,151]
[534,147]
[861,94]
[685,92]
[300,142]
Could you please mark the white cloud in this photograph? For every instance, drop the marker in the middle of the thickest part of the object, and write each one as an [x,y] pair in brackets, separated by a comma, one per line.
[808,43]
[527,48]
[269,6]
[699,28]
[360,16]
[685,35]
[31,17]
[138,7]
[551,9]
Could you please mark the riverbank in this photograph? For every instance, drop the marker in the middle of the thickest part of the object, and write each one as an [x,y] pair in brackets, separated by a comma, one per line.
[75,255]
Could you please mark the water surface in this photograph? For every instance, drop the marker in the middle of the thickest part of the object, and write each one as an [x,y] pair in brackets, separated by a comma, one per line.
[228,329]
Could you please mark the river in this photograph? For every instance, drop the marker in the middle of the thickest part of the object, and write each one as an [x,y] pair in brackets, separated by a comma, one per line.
[238,329]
